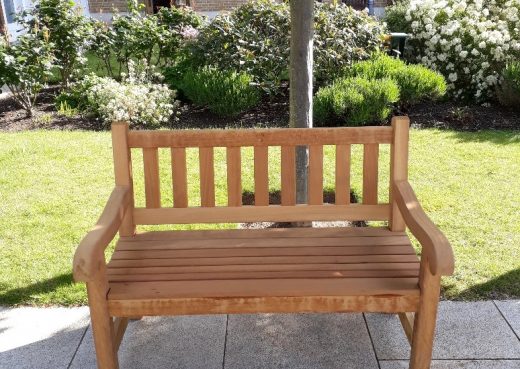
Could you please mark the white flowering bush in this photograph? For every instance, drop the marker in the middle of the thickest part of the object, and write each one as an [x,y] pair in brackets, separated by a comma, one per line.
[468,41]
[136,99]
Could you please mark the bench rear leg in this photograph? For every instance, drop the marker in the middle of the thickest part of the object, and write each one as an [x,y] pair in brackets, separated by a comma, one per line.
[425,319]
[102,324]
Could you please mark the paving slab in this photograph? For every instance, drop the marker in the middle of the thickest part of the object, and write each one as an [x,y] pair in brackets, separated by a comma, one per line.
[465,330]
[298,341]
[183,342]
[458,364]
[511,312]
[40,338]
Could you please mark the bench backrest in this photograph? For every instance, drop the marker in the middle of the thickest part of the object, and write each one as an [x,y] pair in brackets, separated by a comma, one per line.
[125,140]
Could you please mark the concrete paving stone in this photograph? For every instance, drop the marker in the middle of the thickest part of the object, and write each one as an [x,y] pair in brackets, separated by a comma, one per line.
[465,330]
[511,311]
[457,364]
[182,342]
[40,338]
[298,341]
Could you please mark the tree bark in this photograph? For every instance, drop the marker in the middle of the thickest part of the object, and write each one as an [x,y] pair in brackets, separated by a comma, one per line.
[300,74]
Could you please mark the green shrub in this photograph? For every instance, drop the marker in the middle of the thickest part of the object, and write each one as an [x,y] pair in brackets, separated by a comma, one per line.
[26,66]
[416,83]
[508,91]
[69,32]
[156,38]
[355,101]
[225,93]
[255,39]
[395,17]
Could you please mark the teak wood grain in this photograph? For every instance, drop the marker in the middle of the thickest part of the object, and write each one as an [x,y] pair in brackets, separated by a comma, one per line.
[179,177]
[361,269]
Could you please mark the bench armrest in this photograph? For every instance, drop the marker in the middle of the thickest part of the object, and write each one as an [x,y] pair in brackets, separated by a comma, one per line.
[89,257]
[434,243]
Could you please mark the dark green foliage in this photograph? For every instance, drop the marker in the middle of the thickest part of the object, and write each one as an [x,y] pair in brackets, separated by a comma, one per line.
[509,89]
[416,83]
[225,93]
[26,66]
[69,32]
[158,38]
[255,39]
[395,17]
[355,101]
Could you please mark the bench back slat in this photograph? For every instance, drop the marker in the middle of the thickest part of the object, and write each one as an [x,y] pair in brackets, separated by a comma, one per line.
[179,177]
[234,176]
[315,181]
[288,175]
[342,196]
[151,178]
[370,173]
[261,168]
[205,141]
[207,177]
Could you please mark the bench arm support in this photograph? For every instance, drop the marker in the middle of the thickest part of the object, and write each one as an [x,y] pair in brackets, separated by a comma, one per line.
[89,257]
[435,245]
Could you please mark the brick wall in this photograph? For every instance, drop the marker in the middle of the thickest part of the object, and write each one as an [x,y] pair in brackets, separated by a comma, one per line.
[106,6]
[217,5]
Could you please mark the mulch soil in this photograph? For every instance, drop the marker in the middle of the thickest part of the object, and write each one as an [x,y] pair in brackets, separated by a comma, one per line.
[270,113]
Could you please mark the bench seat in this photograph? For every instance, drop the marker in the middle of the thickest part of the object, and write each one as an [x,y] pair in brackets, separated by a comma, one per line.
[271,270]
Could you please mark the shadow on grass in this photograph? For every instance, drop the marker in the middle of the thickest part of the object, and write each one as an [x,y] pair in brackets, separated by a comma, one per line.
[506,286]
[24,294]
[275,197]
[496,137]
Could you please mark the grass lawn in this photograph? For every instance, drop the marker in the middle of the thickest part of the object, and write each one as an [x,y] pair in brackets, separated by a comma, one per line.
[54,184]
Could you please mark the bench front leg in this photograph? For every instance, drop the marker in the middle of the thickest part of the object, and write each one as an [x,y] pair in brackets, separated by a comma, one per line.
[425,318]
[102,324]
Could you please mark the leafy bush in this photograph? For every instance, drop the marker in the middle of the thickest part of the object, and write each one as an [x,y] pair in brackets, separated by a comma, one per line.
[355,101]
[225,93]
[395,17]
[416,83]
[155,38]
[136,99]
[255,39]
[26,66]
[69,32]
[509,89]
[468,41]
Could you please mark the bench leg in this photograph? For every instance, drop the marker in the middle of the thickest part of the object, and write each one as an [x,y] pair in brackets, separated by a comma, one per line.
[102,325]
[425,319]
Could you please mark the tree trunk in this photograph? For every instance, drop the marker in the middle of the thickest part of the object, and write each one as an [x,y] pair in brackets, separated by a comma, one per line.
[300,94]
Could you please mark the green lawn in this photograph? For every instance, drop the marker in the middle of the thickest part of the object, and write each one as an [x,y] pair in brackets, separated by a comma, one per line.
[53,186]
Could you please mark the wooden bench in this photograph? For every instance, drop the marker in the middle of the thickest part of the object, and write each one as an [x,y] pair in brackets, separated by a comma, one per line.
[258,271]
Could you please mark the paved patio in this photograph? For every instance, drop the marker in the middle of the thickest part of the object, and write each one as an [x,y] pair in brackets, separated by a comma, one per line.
[480,335]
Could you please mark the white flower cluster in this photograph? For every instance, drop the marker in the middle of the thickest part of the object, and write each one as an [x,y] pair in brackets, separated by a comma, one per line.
[135,99]
[469,41]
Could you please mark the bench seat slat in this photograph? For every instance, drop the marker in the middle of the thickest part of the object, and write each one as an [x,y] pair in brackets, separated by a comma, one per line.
[264,268]
[186,244]
[354,259]
[338,273]
[265,251]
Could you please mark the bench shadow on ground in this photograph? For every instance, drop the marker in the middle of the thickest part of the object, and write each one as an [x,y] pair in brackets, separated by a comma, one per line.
[55,351]
[22,295]
[503,287]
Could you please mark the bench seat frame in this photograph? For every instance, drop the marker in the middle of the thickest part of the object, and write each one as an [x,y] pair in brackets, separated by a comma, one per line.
[417,312]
